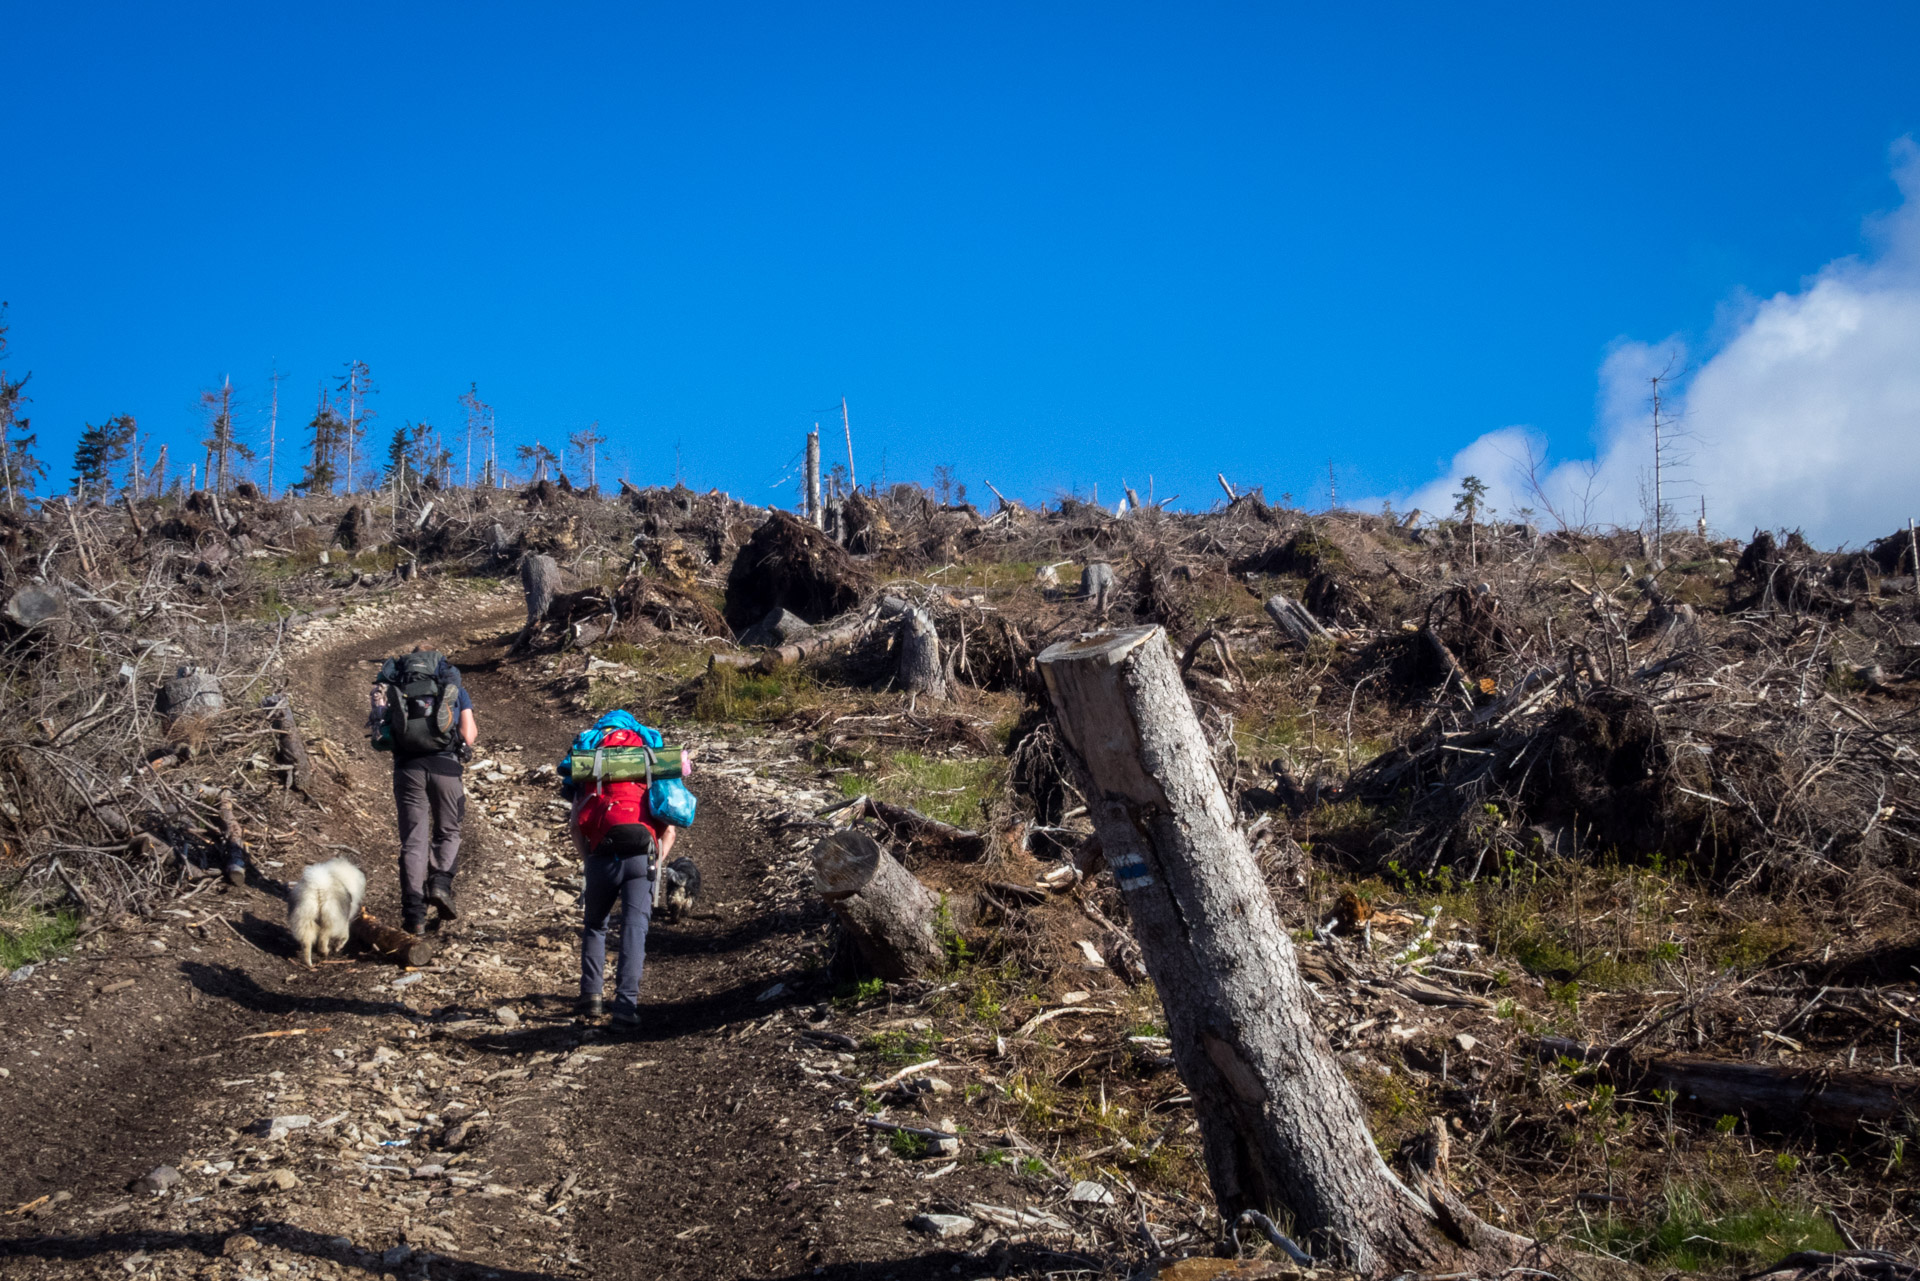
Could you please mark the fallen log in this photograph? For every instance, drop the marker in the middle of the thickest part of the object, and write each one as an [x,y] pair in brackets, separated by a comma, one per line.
[234,838]
[900,818]
[1718,1088]
[824,638]
[890,916]
[396,947]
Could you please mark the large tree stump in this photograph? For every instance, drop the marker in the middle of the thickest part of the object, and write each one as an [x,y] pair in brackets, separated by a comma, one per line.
[1282,1129]
[920,671]
[890,916]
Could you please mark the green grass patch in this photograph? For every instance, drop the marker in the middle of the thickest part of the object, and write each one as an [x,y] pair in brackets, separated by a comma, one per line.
[900,1046]
[957,790]
[911,1147]
[29,934]
[1691,1231]
[729,695]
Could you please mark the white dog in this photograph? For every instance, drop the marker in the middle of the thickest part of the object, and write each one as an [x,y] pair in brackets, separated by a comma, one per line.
[324,904]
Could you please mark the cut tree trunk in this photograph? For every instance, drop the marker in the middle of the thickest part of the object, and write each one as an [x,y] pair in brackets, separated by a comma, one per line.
[1283,1131]
[396,947]
[920,671]
[1292,617]
[191,692]
[890,916]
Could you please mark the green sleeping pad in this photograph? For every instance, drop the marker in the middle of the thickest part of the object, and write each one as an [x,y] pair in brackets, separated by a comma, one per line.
[625,764]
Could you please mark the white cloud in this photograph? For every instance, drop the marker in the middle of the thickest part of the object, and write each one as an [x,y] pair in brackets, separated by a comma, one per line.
[1807,415]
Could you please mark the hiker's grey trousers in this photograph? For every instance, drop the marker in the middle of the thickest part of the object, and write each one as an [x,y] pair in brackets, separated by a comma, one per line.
[430,802]
[610,878]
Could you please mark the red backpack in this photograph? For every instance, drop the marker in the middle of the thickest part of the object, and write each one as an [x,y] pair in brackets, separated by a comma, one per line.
[608,804]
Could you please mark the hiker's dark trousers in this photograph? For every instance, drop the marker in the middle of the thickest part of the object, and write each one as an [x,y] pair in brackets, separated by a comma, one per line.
[431,803]
[625,879]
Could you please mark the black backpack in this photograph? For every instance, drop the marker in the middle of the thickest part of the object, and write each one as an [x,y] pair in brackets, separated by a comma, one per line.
[421,707]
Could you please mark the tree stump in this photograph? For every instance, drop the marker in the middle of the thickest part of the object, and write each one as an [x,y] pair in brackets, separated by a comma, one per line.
[290,748]
[540,579]
[191,692]
[890,916]
[1281,1127]
[920,671]
[1292,618]
[1096,584]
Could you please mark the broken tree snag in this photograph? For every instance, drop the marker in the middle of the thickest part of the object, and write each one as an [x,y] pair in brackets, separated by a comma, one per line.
[1718,1088]
[1282,1129]
[1096,584]
[397,947]
[290,748]
[1292,618]
[890,916]
[540,579]
[920,656]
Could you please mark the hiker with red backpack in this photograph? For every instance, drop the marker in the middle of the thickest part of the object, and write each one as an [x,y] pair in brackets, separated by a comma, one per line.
[629,801]
[421,712]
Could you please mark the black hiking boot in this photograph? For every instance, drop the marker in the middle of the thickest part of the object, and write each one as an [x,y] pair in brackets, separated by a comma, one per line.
[415,927]
[590,1007]
[440,895]
[236,873]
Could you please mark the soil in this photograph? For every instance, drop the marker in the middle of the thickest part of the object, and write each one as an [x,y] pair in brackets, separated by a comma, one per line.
[705,1144]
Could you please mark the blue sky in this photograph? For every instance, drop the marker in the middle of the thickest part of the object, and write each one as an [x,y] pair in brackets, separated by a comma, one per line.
[1051,246]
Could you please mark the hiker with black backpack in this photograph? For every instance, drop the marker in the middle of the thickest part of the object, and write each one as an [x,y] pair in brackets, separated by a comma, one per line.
[421,712]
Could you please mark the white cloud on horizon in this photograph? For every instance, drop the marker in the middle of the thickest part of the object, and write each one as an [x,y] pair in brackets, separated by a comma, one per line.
[1807,416]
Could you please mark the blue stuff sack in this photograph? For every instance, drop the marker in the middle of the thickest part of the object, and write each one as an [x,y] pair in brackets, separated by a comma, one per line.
[669,801]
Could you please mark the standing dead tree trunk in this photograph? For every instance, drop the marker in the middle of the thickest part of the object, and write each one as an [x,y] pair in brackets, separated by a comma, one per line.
[890,916]
[1283,1131]
[540,579]
[1096,584]
[920,671]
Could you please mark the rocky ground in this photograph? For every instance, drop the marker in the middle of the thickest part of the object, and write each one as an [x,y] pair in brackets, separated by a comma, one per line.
[182,1098]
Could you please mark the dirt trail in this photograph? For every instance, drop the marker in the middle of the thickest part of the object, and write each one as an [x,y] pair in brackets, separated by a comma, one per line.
[455,1121]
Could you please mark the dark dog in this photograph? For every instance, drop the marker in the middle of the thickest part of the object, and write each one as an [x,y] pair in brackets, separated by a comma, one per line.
[680,893]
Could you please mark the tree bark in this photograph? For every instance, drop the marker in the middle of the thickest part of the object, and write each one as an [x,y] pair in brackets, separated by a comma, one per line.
[1292,617]
[1282,1129]
[920,671]
[397,947]
[890,916]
